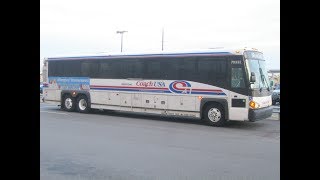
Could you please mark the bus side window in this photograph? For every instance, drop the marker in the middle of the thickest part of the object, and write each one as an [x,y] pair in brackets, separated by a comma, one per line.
[237,80]
[89,69]
[105,70]
[152,69]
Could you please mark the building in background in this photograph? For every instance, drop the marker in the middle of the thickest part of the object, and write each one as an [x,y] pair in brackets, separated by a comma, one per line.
[274,77]
[43,71]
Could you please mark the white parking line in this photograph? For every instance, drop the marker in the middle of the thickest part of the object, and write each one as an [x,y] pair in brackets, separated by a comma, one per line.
[54,112]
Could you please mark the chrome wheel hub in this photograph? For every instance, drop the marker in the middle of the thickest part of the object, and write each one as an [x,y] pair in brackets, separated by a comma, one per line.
[68,103]
[214,114]
[82,104]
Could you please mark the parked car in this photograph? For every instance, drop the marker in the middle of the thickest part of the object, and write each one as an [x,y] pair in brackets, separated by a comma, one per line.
[276,95]
[41,88]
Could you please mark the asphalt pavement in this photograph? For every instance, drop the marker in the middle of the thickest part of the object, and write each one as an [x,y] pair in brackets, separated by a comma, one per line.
[115,145]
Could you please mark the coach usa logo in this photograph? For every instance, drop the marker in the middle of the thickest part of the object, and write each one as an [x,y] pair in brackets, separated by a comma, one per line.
[180,87]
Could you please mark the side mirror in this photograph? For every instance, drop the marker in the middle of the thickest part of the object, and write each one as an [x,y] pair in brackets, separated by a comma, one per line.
[253,77]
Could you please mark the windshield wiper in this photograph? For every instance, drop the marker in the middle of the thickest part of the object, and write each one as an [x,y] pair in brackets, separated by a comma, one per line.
[264,80]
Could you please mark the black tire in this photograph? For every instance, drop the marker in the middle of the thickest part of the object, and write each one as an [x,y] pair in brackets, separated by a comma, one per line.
[83,104]
[69,103]
[217,112]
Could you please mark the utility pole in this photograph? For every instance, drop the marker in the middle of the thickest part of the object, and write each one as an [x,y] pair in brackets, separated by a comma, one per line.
[121,32]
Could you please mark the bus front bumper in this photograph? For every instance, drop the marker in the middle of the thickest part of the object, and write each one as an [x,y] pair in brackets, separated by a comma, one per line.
[259,114]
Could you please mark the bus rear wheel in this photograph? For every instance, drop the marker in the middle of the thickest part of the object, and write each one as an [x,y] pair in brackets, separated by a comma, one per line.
[83,104]
[68,103]
[214,115]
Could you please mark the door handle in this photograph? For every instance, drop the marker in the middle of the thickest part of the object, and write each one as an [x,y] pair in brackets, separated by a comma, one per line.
[235,96]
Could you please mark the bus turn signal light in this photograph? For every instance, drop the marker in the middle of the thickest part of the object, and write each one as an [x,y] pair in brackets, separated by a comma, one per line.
[252,104]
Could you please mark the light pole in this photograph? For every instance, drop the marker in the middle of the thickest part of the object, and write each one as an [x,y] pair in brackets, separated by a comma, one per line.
[121,32]
[162,37]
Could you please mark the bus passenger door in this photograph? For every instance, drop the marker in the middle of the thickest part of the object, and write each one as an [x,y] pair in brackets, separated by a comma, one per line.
[238,101]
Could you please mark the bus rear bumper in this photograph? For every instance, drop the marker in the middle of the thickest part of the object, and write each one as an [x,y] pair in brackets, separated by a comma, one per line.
[259,114]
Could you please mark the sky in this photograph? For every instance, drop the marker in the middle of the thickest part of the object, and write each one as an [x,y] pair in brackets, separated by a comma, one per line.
[76,27]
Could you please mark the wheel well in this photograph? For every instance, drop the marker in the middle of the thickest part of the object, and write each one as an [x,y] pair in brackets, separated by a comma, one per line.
[75,96]
[212,103]
[63,95]
[81,94]
[78,94]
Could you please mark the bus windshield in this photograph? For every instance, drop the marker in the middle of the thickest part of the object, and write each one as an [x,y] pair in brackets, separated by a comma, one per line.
[258,66]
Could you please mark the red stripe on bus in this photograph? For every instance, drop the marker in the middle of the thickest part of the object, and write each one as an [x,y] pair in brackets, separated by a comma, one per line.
[134,87]
[141,87]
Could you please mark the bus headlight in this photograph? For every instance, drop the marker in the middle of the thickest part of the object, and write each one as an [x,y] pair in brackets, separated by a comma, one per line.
[253,105]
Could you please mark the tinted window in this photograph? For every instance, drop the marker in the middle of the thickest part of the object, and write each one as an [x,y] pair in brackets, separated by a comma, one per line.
[161,68]
[115,72]
[105,69]
[188,69]
[139,69]
[90,69]
[131,68]
[52,66]
[170,69]
[121,69]
[237,80]
[64,68]
[213,71]
[71,68]
[208,70]
[152,69]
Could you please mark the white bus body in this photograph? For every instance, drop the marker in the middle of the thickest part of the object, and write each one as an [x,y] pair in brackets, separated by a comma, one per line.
[231,95]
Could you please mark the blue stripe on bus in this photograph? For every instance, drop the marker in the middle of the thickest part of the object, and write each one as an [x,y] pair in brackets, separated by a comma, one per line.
[135,90]
[211,93]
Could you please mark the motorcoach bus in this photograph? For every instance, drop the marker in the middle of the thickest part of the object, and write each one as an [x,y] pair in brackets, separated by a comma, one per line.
[215,85]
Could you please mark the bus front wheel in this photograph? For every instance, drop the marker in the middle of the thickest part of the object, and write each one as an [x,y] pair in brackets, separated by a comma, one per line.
[68,103]
[82,104]
[214,115]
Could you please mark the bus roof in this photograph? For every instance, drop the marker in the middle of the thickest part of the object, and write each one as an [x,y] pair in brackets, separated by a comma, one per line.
[204,52]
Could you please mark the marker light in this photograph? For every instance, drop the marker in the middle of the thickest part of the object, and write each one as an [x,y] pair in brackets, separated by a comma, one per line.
[73,93]
[199,97]
[237,51]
